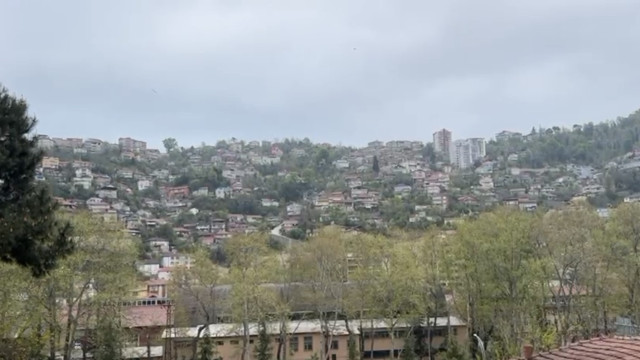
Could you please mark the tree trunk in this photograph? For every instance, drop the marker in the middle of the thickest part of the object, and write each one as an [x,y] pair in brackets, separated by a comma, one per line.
[245,329]
[194,345]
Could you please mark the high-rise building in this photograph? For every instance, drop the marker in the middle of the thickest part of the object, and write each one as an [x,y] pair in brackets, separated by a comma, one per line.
[464,152]
[442,141]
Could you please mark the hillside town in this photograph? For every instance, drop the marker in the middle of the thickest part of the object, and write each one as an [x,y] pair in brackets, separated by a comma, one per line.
[200,197]
[209,193]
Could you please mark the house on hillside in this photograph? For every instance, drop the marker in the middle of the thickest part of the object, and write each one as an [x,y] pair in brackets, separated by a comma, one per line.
[107,192]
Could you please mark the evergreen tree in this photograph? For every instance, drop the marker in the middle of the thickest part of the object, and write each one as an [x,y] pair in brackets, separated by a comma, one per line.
[376,165]
[454,351]
[207,349]
[409,350]
[30,233]
[263,348]
[352,347]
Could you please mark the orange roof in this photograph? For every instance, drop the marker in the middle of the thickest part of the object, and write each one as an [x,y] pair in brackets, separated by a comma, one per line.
[627,348]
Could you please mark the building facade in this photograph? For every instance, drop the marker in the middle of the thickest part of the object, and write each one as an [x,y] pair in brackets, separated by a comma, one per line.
[463,153]
[442,141]
[306,338]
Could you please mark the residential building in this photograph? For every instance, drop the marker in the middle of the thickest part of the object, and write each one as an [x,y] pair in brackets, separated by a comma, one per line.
[107,192]
[44,142]
[486,183]
[172,259]
[341,164]
[144,185]
[270,203]
[506,135]
[94,145]
[294,209]
[203,191]
[149,267]
[129,144]
[50,162]
[83,182]
[223,192]
[463,153]
[442,141]
[177,192]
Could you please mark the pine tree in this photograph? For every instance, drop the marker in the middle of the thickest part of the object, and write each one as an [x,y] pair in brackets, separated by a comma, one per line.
[263,348]
[30,233]
[376,165]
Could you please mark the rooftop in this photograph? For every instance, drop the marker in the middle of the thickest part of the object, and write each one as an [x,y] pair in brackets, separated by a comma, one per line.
[627,348]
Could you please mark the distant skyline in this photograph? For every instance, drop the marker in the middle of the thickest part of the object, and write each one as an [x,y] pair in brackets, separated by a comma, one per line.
[333,71]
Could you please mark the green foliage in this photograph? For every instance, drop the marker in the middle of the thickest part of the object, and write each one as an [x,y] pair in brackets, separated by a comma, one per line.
[207,348]
[31,235]
[590,144]
[352,347]
[263,349]
[108,339]
[376,165]
[454,351]
[170,144]
[408,350]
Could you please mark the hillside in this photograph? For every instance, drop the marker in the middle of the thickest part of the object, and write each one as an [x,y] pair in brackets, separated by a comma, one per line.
[588,144]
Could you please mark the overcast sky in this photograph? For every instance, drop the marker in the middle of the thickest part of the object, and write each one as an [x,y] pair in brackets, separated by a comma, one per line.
[338,71]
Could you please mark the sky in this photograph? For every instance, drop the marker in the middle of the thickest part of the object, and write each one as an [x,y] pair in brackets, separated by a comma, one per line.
[345,72]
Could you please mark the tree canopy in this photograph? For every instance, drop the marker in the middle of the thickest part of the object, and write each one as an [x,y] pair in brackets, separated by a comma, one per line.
[31,234]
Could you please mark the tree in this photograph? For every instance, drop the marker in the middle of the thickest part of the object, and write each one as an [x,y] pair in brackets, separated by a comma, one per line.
[566,253]
[197,294]
[250,267]
[492,267]
[323,266]
[208,347]
[408,350]
[170,144]
[31,234]
[263,350]
[376,165]
[90,284]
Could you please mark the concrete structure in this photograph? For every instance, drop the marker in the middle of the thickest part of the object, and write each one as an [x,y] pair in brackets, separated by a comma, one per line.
[129,144]
[464,152]
[442,141]
[305,338]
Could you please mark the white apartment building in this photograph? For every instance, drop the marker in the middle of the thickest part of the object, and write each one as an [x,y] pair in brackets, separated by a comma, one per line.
[463,153]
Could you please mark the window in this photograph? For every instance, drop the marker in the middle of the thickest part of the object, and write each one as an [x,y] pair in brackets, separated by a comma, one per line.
[455,331]
[293,343]
[308,343]
[234,342]
[251,341]
[219,343]
[334,357]
[334,344]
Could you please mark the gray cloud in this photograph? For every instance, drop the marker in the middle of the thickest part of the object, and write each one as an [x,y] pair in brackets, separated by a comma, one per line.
[339,71]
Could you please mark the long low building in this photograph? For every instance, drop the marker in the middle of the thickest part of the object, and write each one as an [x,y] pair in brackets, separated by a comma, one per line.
[304,338]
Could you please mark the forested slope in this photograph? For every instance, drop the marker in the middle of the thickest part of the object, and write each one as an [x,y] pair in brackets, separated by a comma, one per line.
[588,144]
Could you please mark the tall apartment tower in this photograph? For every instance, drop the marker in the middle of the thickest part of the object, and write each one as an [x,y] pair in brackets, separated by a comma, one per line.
[464,152]
[442,141]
